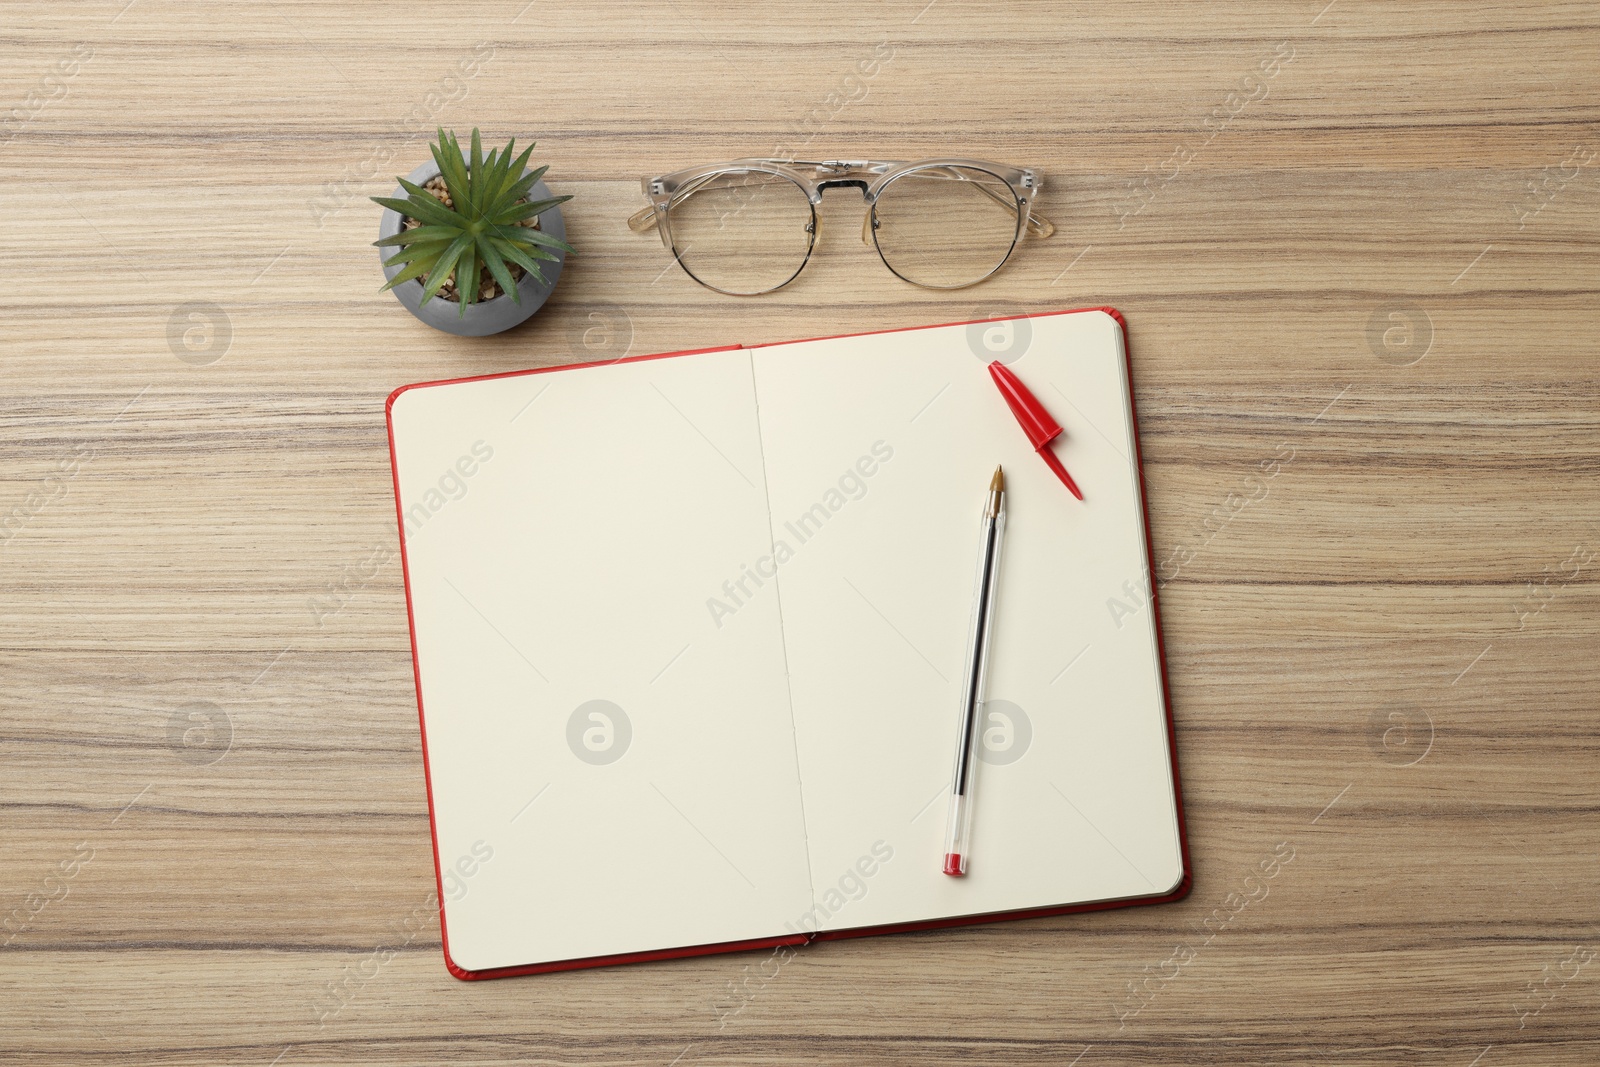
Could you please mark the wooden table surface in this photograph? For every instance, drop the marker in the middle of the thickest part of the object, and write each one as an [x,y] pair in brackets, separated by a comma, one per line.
[1376,264]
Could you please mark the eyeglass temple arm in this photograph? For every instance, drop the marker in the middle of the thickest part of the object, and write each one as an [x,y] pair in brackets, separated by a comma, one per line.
[643,220]
[1037,224]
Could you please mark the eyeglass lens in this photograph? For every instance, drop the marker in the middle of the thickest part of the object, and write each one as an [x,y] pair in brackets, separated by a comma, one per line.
[743,232]
[947,226]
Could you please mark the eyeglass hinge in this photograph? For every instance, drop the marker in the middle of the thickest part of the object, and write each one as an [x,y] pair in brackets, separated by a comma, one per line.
[656,188]
[1027,179]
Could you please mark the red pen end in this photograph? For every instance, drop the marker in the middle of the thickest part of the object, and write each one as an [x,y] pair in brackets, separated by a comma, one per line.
[953,864]
[1054,464]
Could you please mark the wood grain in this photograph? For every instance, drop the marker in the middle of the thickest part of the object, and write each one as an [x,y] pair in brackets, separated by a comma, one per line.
[1354,678]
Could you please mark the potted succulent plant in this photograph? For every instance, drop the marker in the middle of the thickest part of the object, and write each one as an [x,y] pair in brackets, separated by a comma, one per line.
[468,215]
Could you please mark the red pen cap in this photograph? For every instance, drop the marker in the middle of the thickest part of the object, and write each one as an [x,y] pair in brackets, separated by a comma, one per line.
[1036,421]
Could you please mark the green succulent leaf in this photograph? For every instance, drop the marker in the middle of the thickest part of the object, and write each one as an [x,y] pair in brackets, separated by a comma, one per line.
[424,208]
[421,250]
[427,254]
[419,193]
[447,155]
[420,233]
[539,237]
[497,268]
[519,238]
[518,235]
[524,184]
[518,210]
[448,259]
[509,175]
[467,268]
[512,167]
[475,169]
[532,236]
[521,257]
[483,181]
[416,269]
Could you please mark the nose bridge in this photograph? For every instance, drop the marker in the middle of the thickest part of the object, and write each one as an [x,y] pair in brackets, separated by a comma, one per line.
[857,183]
[834,183]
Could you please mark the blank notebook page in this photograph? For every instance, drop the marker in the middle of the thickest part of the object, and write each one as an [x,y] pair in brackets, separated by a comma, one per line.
[576,567]
[876,605]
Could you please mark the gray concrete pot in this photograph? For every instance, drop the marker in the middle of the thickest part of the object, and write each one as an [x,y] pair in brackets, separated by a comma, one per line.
[486,317]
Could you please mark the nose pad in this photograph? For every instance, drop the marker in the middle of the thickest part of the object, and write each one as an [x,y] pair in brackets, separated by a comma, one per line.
[869,222]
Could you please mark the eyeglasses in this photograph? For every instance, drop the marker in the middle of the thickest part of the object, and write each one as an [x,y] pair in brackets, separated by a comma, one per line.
[749,226]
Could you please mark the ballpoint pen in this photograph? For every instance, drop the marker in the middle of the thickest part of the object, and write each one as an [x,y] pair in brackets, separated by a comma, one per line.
[958,835]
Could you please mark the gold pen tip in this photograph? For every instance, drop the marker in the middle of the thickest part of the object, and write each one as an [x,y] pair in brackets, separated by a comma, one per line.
[997,484]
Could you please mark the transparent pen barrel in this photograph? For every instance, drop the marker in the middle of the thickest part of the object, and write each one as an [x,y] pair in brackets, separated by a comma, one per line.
[958,833]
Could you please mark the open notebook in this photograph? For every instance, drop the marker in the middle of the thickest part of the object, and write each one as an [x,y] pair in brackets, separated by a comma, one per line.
[689,629]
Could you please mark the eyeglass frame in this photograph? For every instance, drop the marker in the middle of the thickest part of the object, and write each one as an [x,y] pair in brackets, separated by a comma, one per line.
[813,176]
